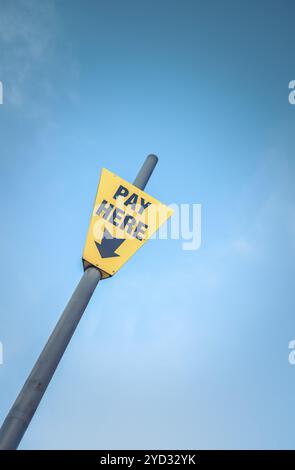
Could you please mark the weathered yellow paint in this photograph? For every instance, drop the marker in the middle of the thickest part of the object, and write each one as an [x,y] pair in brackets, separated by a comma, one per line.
[128,215]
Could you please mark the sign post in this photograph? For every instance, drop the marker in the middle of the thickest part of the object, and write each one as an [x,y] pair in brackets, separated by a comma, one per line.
[123,218]
[101,259]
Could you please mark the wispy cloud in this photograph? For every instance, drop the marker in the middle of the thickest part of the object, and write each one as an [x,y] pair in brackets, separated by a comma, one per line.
[27,34]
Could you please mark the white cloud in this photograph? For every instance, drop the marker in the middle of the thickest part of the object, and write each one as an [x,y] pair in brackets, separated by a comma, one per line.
[27,33]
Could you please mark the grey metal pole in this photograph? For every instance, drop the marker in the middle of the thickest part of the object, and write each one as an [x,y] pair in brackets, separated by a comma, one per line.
[26,404]
[146,171]
[21,413]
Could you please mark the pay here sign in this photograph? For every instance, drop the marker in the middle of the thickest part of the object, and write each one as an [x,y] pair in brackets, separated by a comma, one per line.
[123,219]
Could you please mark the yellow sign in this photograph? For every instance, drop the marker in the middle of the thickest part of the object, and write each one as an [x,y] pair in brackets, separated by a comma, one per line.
[123,219]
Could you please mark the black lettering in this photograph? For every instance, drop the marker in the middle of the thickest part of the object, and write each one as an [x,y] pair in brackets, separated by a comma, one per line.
[105,209]
[143,205]
[121,191]
[128,222]
[140,230]
[132,201]
[117,214]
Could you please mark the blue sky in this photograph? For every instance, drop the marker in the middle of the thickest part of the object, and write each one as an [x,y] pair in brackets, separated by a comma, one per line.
[181,349]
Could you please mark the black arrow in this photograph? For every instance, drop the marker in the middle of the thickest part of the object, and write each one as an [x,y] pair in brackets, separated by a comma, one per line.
[108,245]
